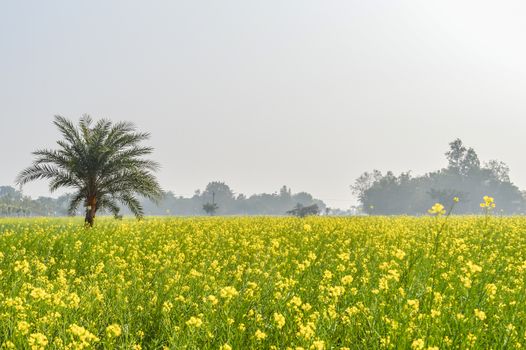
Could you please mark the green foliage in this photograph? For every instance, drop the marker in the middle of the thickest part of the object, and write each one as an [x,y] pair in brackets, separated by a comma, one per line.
[102,162]
[464,178]
[230,203]
[210,208]
[303,211]
[168,204]
[259,283]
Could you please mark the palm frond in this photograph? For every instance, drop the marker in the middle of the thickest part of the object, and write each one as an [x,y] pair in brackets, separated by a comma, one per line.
[67,129]
[77,199]
[38,171]
[132,203]
[110,204]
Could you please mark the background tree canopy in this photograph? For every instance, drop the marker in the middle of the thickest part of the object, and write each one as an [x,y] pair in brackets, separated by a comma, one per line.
[229,203]
[464,177]
[14,203]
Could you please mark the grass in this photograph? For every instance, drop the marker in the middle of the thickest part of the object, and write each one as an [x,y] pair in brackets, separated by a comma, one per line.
[241,283]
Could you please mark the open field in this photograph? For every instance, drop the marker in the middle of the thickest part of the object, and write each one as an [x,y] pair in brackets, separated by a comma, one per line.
[241,283]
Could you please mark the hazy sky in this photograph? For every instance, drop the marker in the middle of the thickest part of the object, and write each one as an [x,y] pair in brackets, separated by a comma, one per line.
[265,93]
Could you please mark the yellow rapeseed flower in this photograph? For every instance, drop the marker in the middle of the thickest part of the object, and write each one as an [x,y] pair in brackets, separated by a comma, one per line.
[279,319]
[8,345]
[346,280]
[260,335]
[113,331]
[228,292]
[295,300]
[318,345]
[491,290]
[437,209]
[194,322]
[417,344]
[489,203]
[23,327]
[37,341]
[307,331]
[83,334]
[481,315]
[414,304]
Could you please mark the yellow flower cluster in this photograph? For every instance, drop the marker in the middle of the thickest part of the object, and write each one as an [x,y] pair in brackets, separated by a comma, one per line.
[37,341]
[264,283]
[279,319]
[228,292]
[437,209]
[194,322]
[489,203]
[113,331]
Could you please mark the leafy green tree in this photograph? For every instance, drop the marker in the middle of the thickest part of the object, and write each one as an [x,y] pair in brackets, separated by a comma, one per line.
[461,160]
[103,162]
[455,155]
[219,189]
[285,192]
[219,193]
[210,208]
[464,178]
[470,163]
[363,183]
[302,211]
[499,170]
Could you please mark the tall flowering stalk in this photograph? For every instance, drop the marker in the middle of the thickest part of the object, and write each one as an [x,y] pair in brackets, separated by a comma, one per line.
[487,206]
[439,210]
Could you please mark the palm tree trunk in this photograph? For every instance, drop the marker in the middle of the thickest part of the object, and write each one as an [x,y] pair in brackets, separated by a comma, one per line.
[91,210]
[89,219]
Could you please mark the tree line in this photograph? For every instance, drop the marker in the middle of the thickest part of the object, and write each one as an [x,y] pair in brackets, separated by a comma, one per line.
[230,203]
[465,177]
[105,164]
[14,203]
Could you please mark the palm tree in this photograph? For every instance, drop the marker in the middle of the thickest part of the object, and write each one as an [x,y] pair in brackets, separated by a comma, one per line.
[103,162]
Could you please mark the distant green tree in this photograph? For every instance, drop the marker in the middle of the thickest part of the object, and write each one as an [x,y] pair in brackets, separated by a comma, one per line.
[470,163]
[455,155]
[464,178]
[364,182]
[302,211]
[170,203]
[103,162]
[285,192]
[210,208]
[461,160]
[499,170]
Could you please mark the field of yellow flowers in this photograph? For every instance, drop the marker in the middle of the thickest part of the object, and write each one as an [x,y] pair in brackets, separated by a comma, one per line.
[269,283]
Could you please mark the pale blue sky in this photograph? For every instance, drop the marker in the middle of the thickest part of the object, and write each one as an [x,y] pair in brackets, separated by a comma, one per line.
[259,94]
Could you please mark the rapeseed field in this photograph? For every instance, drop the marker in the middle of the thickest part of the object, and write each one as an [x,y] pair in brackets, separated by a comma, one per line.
[264,283]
